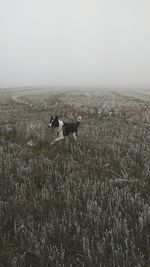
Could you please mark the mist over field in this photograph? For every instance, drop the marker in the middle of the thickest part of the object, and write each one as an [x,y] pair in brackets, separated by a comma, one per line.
[75,43]
[74,190]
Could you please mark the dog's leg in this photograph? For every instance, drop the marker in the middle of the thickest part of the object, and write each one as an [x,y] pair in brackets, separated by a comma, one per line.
[59,138]
[75,136]
[67,139]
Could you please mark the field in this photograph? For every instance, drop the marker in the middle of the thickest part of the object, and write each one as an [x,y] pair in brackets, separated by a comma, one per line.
[84,203]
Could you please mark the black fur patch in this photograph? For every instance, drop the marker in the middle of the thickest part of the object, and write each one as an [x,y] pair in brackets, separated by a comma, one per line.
[54,122]
[70,128]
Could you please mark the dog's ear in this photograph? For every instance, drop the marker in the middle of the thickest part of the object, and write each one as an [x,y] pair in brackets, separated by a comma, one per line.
[56,118]
[51,118]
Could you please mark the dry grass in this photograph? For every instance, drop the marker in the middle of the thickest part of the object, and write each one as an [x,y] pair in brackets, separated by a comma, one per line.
[77,204]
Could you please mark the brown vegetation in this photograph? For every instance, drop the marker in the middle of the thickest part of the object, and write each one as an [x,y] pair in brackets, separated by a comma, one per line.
[85,203]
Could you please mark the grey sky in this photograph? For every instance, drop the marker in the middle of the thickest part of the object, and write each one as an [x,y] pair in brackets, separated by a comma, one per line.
[103,43]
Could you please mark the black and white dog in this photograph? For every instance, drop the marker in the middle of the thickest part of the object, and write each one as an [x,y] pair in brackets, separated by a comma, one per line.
[63,129]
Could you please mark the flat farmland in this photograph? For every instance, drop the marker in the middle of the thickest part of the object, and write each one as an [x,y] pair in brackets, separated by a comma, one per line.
[83,203]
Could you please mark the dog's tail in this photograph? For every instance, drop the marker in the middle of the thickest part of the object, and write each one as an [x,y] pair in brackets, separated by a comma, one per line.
[79,120]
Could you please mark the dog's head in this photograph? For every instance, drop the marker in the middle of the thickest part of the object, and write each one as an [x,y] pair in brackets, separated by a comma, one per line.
[53,123]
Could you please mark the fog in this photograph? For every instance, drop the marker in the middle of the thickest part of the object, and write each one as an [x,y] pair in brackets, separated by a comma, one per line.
[102,43]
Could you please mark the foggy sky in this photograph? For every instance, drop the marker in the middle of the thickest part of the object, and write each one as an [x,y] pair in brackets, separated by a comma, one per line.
[103,43]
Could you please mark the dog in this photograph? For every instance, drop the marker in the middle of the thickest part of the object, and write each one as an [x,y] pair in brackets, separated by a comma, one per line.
[63,129]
